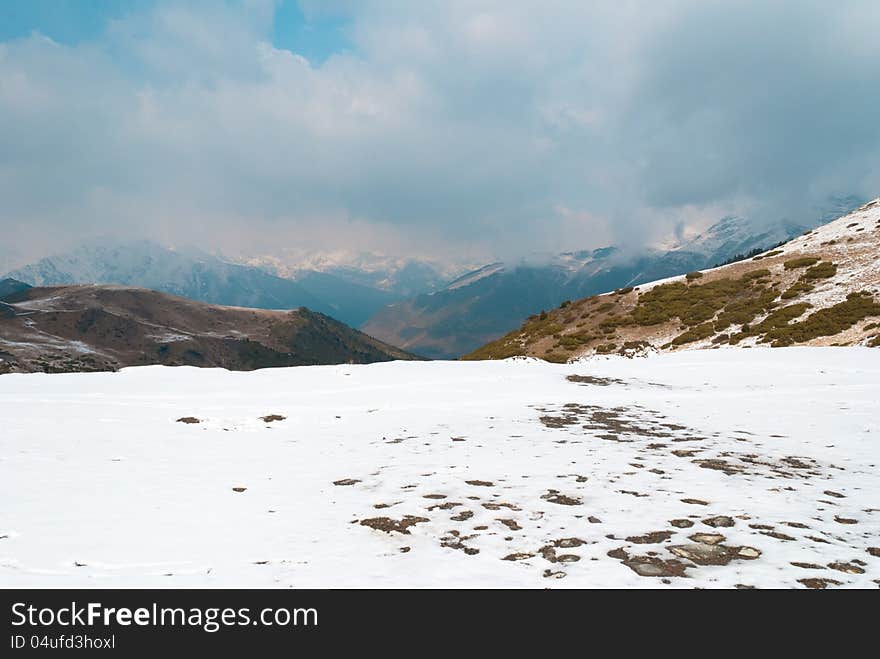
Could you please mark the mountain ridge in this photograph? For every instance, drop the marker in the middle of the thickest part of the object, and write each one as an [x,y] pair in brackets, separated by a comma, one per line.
[104,328]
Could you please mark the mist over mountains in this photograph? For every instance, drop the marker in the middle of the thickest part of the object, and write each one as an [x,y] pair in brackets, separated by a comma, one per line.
[486,303]
[426,307]
[207,278]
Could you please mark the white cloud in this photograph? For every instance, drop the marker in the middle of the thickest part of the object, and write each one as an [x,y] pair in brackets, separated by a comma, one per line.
[450,124]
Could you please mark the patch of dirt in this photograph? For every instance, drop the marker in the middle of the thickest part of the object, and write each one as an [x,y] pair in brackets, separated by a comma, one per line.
[463,516]
[848,568]
[499,505]
[519,556]
[188,419]
[559,421]
[447,505]
[652,538]
[347,481]
[239,489]
[845,520]
[388,525]
[592,379]
[271,418]
[480,483]
[695,502]
[681,523]
[720,465]
[511,524]
[548,552]
[632,493]
[719,521]
[455,541]
[817,583]
[554,496]
[777,535]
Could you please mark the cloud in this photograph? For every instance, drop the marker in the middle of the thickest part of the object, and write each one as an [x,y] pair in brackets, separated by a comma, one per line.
[494,126]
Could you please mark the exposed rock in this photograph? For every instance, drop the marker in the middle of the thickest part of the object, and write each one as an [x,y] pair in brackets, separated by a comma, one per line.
[388,525]
[702,554]
[707,538]
[346,481]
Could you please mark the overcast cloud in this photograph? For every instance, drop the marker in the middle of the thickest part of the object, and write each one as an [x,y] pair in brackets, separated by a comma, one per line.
[486,127]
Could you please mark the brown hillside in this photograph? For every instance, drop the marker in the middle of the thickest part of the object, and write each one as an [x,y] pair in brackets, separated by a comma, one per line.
[98,328]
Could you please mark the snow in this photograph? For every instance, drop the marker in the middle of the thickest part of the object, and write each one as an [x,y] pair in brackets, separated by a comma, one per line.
[102,487]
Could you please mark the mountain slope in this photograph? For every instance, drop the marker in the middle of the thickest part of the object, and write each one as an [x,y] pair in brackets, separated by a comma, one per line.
[97,328]
[818,289]
[11,287]
[203,277]
[485,304]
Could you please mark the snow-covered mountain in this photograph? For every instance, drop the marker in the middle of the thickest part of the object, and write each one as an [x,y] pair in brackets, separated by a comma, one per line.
[197,275]
[400,276]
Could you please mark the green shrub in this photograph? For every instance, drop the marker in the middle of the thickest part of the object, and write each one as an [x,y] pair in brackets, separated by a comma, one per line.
[796,289]
[756,274]
[826,322]
[801,262]
[694,334]
[823,270]
[743,310]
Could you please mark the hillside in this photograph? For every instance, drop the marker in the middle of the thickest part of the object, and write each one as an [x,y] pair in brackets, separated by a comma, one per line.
[818,289]
[100,328]
[488,302]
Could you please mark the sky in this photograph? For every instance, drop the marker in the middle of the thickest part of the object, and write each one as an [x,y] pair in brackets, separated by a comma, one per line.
[485,128]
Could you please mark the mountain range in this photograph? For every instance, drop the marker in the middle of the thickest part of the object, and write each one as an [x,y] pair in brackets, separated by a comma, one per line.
[423,306]
[205,277]
[484,304]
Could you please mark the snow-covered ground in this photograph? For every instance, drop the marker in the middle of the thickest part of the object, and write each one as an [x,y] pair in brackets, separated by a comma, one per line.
[512,474]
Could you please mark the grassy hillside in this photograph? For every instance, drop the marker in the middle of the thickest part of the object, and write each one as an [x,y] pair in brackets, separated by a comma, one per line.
[822,288]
